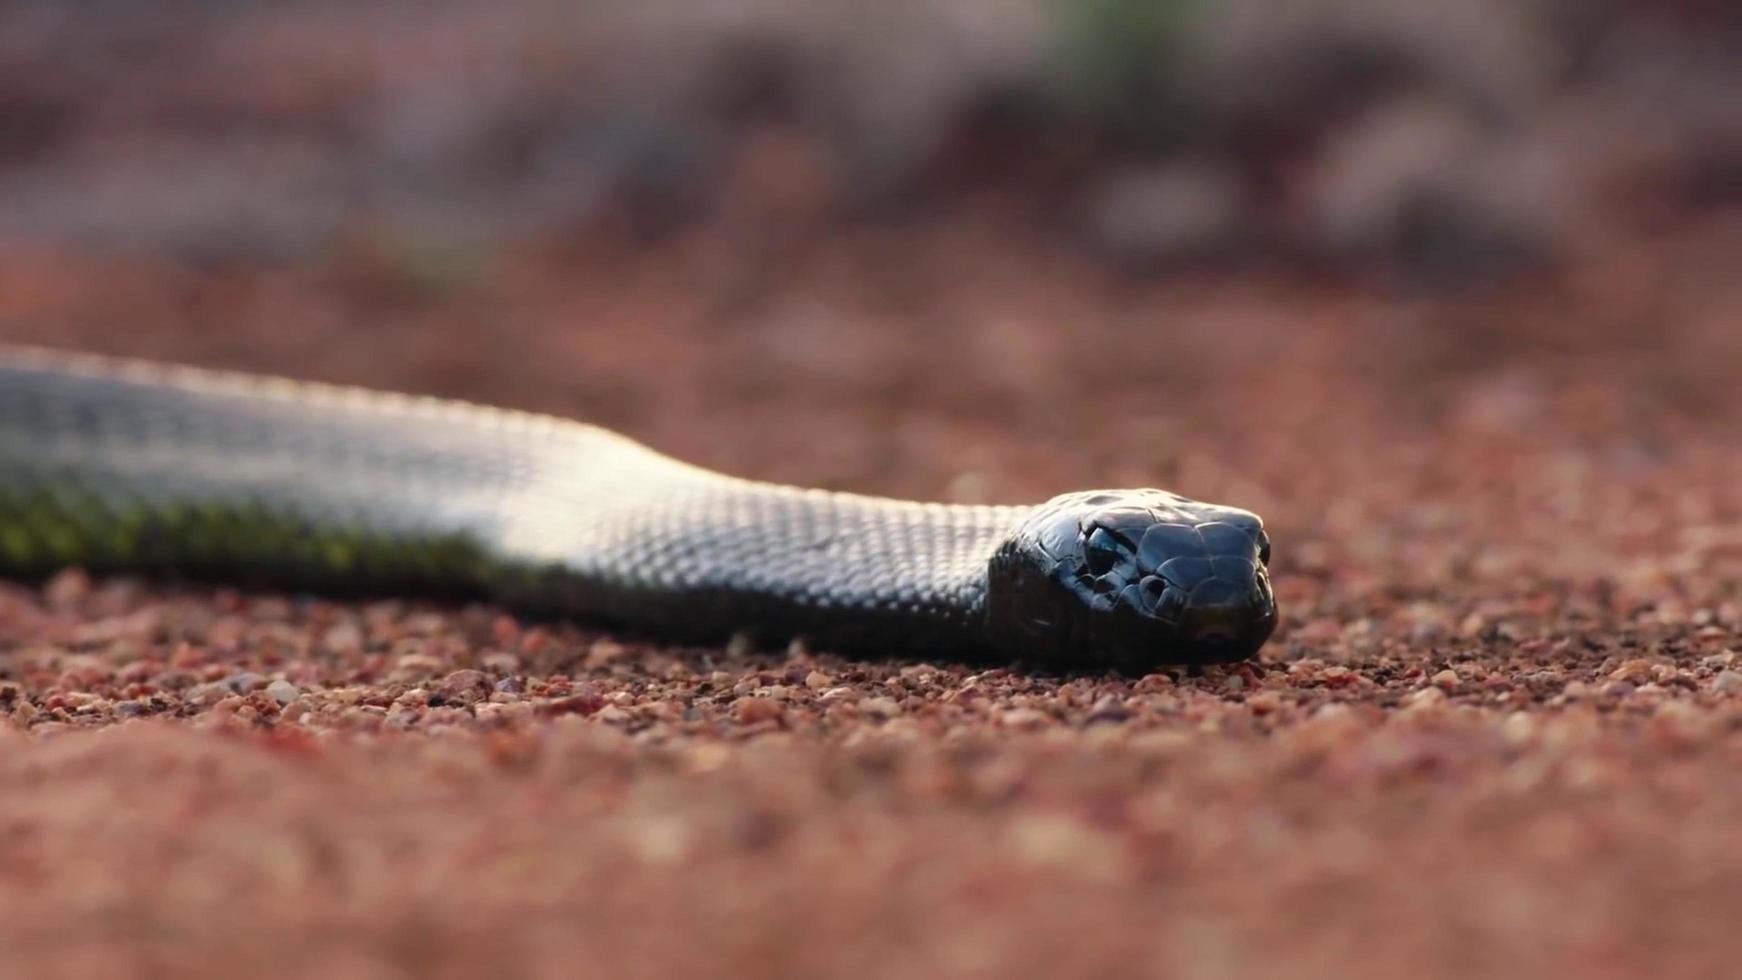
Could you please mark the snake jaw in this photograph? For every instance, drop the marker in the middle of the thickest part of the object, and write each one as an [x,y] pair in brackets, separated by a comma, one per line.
[1134,579]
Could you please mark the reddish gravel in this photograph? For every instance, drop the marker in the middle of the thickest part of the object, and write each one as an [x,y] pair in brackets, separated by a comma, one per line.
[1498,732]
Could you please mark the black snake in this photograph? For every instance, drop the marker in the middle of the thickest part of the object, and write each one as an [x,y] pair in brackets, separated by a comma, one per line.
[121,466]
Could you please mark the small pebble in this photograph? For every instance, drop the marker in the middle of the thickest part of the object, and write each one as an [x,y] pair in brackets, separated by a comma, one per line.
[750,710]
[880,707]
[1108,708]
[1427,696]
[1024,718]
[1264,702]
[468,682]
[1633,671]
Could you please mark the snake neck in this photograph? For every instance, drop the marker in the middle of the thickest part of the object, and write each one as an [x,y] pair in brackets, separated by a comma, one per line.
[124,467]
[704,555]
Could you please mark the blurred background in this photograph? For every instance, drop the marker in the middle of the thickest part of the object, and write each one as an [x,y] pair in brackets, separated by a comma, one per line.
[1437,144]
[984,249]
[1447,291]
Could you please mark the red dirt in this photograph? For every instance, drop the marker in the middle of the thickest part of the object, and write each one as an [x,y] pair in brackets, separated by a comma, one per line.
[1497,733]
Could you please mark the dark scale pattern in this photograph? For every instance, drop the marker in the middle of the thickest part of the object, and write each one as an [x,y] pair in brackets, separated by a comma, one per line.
[119,466]
[127,467]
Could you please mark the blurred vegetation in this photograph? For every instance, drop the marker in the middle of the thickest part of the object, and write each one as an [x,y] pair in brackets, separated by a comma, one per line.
[1117,64]
[1441,141]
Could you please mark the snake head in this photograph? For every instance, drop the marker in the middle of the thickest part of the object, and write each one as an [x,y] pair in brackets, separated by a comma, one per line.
[1133,579]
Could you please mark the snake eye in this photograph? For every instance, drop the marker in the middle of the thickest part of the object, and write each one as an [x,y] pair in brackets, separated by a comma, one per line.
[1101,551]
[1263,548]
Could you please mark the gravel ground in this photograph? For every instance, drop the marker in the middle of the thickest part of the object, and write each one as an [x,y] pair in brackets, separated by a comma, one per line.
[1497,733]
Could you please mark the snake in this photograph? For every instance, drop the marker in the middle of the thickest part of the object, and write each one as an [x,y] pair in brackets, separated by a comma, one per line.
[135,468]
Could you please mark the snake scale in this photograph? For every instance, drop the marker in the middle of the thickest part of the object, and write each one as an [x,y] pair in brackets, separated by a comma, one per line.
[129,467]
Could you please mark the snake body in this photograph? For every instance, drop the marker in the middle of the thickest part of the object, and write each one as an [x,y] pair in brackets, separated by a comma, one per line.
[129,467]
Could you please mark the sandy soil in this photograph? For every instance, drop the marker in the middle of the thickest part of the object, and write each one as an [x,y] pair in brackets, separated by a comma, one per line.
[1497,733]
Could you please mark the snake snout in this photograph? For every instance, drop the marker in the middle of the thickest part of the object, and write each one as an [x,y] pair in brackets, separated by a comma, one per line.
[1228,619]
